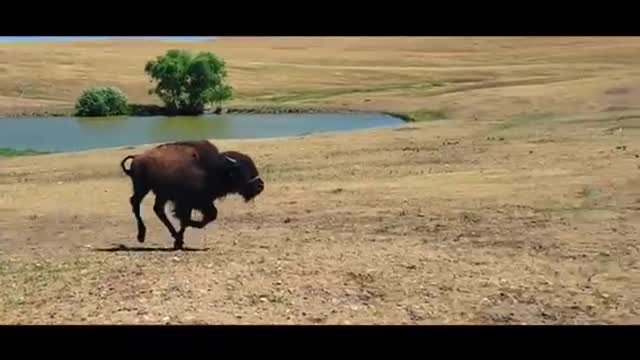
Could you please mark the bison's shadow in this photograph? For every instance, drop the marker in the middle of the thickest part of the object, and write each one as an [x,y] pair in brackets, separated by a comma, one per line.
[143,249]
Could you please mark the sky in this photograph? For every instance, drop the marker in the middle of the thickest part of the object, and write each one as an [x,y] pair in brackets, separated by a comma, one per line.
[6,39]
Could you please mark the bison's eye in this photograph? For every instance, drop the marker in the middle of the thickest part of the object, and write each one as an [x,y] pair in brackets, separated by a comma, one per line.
[235,174]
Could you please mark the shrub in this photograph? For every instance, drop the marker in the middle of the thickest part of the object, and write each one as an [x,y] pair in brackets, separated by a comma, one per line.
[103,101]
[187,83]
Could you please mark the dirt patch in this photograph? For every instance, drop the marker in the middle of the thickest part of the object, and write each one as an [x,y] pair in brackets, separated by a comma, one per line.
[346,248]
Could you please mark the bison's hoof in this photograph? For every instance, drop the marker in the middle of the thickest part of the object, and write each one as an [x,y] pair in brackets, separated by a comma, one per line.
[141,237]
[178,245]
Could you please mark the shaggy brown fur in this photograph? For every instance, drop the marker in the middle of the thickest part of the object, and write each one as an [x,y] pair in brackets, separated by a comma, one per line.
[202,147]
[191,174]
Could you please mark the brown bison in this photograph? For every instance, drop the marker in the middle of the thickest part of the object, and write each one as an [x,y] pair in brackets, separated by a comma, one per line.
[191,175]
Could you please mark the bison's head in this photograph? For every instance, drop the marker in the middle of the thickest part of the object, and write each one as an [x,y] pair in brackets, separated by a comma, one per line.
[243,175]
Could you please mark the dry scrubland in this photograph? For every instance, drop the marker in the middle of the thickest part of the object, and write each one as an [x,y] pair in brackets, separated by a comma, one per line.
[522,206]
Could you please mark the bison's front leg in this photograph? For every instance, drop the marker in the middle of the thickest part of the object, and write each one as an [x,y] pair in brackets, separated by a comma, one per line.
[209,214]
[158,207]
[183,213]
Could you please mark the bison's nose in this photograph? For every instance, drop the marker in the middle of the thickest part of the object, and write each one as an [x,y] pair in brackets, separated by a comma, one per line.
[260,185]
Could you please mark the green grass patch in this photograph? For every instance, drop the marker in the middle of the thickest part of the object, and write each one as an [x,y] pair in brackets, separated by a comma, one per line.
[309,95]
[8,152]
[32,279]
[612,120]
[428,115]
[526,120]
[589,193]
[587,198]
[331,92]
[621,120]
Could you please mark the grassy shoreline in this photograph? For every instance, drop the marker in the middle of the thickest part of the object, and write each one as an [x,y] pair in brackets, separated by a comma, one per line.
[11,152]
[232,110]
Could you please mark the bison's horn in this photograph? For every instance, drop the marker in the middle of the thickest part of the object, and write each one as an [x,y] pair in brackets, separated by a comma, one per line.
[233,161]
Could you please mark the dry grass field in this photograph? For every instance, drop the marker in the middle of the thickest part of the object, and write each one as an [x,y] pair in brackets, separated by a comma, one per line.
[514,199]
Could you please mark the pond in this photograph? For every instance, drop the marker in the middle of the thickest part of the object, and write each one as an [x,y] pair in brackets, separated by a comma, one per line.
[74,134]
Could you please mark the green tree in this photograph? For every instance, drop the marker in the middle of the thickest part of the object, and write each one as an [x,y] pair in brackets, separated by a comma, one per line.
[102,101]
[186,83]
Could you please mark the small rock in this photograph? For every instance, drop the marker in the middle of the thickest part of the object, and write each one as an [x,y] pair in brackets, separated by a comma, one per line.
[166,319]
[287,220]
[316,319]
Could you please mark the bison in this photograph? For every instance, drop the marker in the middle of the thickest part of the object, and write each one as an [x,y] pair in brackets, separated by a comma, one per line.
[191,175]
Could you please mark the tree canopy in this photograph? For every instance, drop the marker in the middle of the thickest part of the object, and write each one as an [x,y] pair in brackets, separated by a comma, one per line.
[188,83]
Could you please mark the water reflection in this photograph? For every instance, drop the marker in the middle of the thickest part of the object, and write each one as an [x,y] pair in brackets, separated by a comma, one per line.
[187,128]
[101,124]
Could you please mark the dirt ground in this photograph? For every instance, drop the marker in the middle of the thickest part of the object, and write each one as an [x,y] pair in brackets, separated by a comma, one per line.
[529,216]
[429,223]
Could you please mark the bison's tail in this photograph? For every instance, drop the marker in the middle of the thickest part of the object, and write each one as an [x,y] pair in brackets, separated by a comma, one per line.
[126,171]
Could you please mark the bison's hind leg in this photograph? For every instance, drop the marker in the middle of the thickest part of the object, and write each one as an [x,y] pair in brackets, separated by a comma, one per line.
[140,190]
